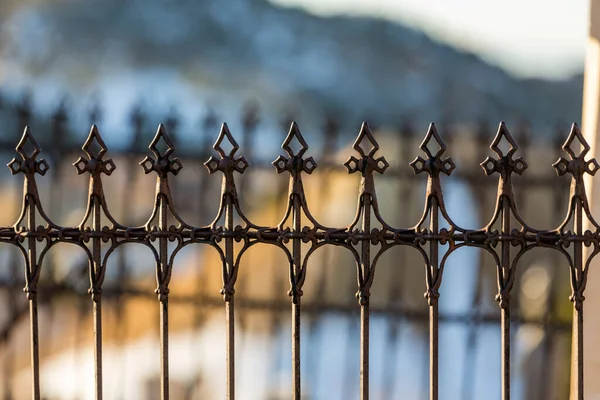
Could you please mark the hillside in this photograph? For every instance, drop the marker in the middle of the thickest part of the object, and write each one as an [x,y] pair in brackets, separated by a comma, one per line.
[235,50]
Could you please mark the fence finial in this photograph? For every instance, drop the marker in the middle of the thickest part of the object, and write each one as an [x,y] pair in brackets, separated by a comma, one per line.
[577,164]
[162,147]
[28,149]
[95,149]
[294,134]
[367,162]
[434,163]
[295,161]
[504,164]
[228,160]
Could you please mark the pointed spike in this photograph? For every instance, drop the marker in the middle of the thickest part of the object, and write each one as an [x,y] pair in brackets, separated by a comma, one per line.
[294,133]
[432,133]
[432,129]
[224,133]
[161,135]
[26,131]
[365,132]
[94,136]
[575,133]
[225,129]
[502,126]
[503,133]
[28,138]
[364,126]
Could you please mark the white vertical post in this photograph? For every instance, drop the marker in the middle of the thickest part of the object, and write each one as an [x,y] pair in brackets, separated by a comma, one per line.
[591,131]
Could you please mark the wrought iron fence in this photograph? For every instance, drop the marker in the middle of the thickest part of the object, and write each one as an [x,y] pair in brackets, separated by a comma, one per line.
[507,237]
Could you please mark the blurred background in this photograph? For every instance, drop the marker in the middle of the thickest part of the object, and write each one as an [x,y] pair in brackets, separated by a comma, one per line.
[258,65]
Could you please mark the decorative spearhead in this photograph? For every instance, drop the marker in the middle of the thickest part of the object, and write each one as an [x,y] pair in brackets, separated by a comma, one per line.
[366,146]
[434,147]
[161,147]
[576,165]
[504,164]
[28,149]
[95,149]
[228,160]
[295,146]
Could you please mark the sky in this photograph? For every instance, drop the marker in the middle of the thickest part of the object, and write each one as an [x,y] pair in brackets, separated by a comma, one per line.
[529,38]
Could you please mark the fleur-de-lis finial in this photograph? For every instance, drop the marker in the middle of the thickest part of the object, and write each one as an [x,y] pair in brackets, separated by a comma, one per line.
[294,161]
[161,147]
[504,164]
[28,149]
[576,165]
[434,162]
[95,149]
[228,160]
[366,145]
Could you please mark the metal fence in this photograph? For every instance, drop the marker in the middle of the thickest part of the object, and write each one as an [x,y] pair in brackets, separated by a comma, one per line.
[507,238]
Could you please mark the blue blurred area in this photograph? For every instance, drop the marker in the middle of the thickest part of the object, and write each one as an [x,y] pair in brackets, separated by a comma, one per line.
[190,53]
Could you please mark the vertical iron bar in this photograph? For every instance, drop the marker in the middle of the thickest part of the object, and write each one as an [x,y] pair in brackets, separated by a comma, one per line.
[35,355]
[297,255]
[505,327]
[97,299]
[229,303]
[33,310]
[164,305]
[230,322]
[505,311]
[364,308]
[433,307]
[577,357]
[577,339]
[97,310]
[296,351]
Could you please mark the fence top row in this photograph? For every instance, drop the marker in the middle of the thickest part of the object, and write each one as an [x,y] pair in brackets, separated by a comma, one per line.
[366,162]
[295,146]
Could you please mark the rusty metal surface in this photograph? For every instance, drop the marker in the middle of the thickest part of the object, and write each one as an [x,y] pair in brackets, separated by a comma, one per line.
[299,235]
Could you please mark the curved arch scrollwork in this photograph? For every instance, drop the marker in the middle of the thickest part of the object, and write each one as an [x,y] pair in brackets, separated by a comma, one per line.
[28,231]
[506,208]
[578,213]
[294,163]
[26,228]
[434,164]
